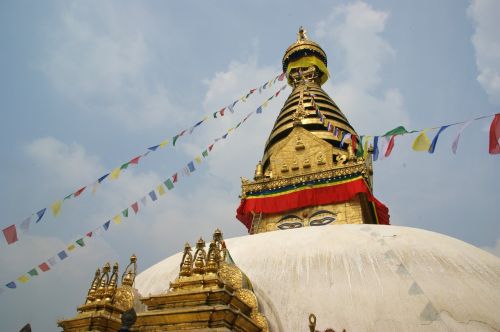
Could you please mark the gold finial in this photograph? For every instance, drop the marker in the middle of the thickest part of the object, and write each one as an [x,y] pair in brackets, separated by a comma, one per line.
[301,35]
[128,276]
[199,257]
[112,283]
[217,235]
[212,259]
[187,262]
[258,171]
[93,287]
[133,258]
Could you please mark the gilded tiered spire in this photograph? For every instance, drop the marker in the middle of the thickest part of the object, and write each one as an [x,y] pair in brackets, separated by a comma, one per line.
[312,172]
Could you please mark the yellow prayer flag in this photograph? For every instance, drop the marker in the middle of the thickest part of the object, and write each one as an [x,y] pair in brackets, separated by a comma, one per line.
[24,279]
[115,173]
[365,146]
[243,99]
[265,104]
[56,208]
[71,247]
[230,130]
[422,142]
[161,190]
[163,143]
[117,219]
[197,159]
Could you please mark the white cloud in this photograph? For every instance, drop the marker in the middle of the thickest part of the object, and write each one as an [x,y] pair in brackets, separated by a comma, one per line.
[356,30]
[99,61]
[486,43]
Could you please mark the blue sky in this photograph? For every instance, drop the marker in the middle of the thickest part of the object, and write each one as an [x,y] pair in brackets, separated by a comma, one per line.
[86,86]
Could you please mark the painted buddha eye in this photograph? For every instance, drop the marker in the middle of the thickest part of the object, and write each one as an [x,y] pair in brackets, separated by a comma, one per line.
[290,221]
[321,217]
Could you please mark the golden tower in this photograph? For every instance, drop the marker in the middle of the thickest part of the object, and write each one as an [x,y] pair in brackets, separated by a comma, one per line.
[314,170]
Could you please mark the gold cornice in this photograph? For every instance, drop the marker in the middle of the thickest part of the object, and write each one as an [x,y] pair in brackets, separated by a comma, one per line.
[355,167]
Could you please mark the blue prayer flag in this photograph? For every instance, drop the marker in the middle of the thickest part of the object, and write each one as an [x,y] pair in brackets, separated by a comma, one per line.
[11,285]
[375,148]
[152,194]
[153,148]
[62,255]
[191,166]
[434,140]
[106,225]
[259,110]
[40,214]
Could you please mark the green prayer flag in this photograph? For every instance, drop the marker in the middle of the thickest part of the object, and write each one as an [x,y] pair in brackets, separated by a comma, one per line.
[80,242]
[124,166]
[169,184]
[205,153]
[396,131]
[125,213]
[33,272]
[359,148]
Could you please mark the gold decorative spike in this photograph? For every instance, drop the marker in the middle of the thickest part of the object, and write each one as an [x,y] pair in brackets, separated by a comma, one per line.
[212,259]
[186,268]
[130,271]
[93,287]
[111,286]
[103,283]
[258,171]
[200,257]
[301,35]
[320,159]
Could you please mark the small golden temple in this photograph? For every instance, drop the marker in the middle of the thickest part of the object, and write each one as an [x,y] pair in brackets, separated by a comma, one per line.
[359,275]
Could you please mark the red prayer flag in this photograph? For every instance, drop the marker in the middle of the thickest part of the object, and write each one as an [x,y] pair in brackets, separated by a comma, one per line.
[390,146]
[495,135]
[354,143]
[174,178]
[135,160]
[79,191]
[135,207]
[222,111]
[281,77]
[89,234]
[44,267]
[10,234]
[210,147]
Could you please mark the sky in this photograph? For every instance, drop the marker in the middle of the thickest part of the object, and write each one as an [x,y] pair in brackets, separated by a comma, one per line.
[88,85]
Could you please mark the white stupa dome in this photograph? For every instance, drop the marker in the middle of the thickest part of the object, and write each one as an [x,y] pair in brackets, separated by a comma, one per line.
[361,278]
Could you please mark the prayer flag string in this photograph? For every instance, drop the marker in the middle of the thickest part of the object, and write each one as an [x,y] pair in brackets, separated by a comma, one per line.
[153,195]
[11,233]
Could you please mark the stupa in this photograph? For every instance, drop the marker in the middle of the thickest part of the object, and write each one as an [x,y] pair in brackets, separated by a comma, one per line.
[319,243]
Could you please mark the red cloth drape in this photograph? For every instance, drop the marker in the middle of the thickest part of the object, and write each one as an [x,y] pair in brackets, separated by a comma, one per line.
[335,193]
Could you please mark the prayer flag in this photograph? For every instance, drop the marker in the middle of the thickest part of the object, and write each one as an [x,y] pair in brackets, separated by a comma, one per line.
[33,272]
[210,147]
[494,147]
[89,234]
[10,234]
[124,166]
[422,142]
[45,267]
[222,111]
[56,208]
[94,187]
[365,146]
[396,131]
[215,115]
[117,219]
[152,194]
[204,153]
[191,166]
[125,213]
[259,110]
[161,190]
[281,77]
[345,136]
[135,207]
[23,279]
[40,214]
[144,201]
[135,160]
[174,178]
[163,143]
[80,242]
[154,147]
[265,84]
[225,135]
[197,159]
[25,225]
[390,146]
[265,103]
[375,148]
[79,191]
[106,225]
[102,178]
[175,139]
[115,173]
[52,261]
[168,183]
[11,285]
[277,93]
[454,145]
[434,140]
[71,247]
[67,197]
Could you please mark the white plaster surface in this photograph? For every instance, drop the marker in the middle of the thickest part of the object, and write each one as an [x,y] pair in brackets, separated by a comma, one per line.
[361,278]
